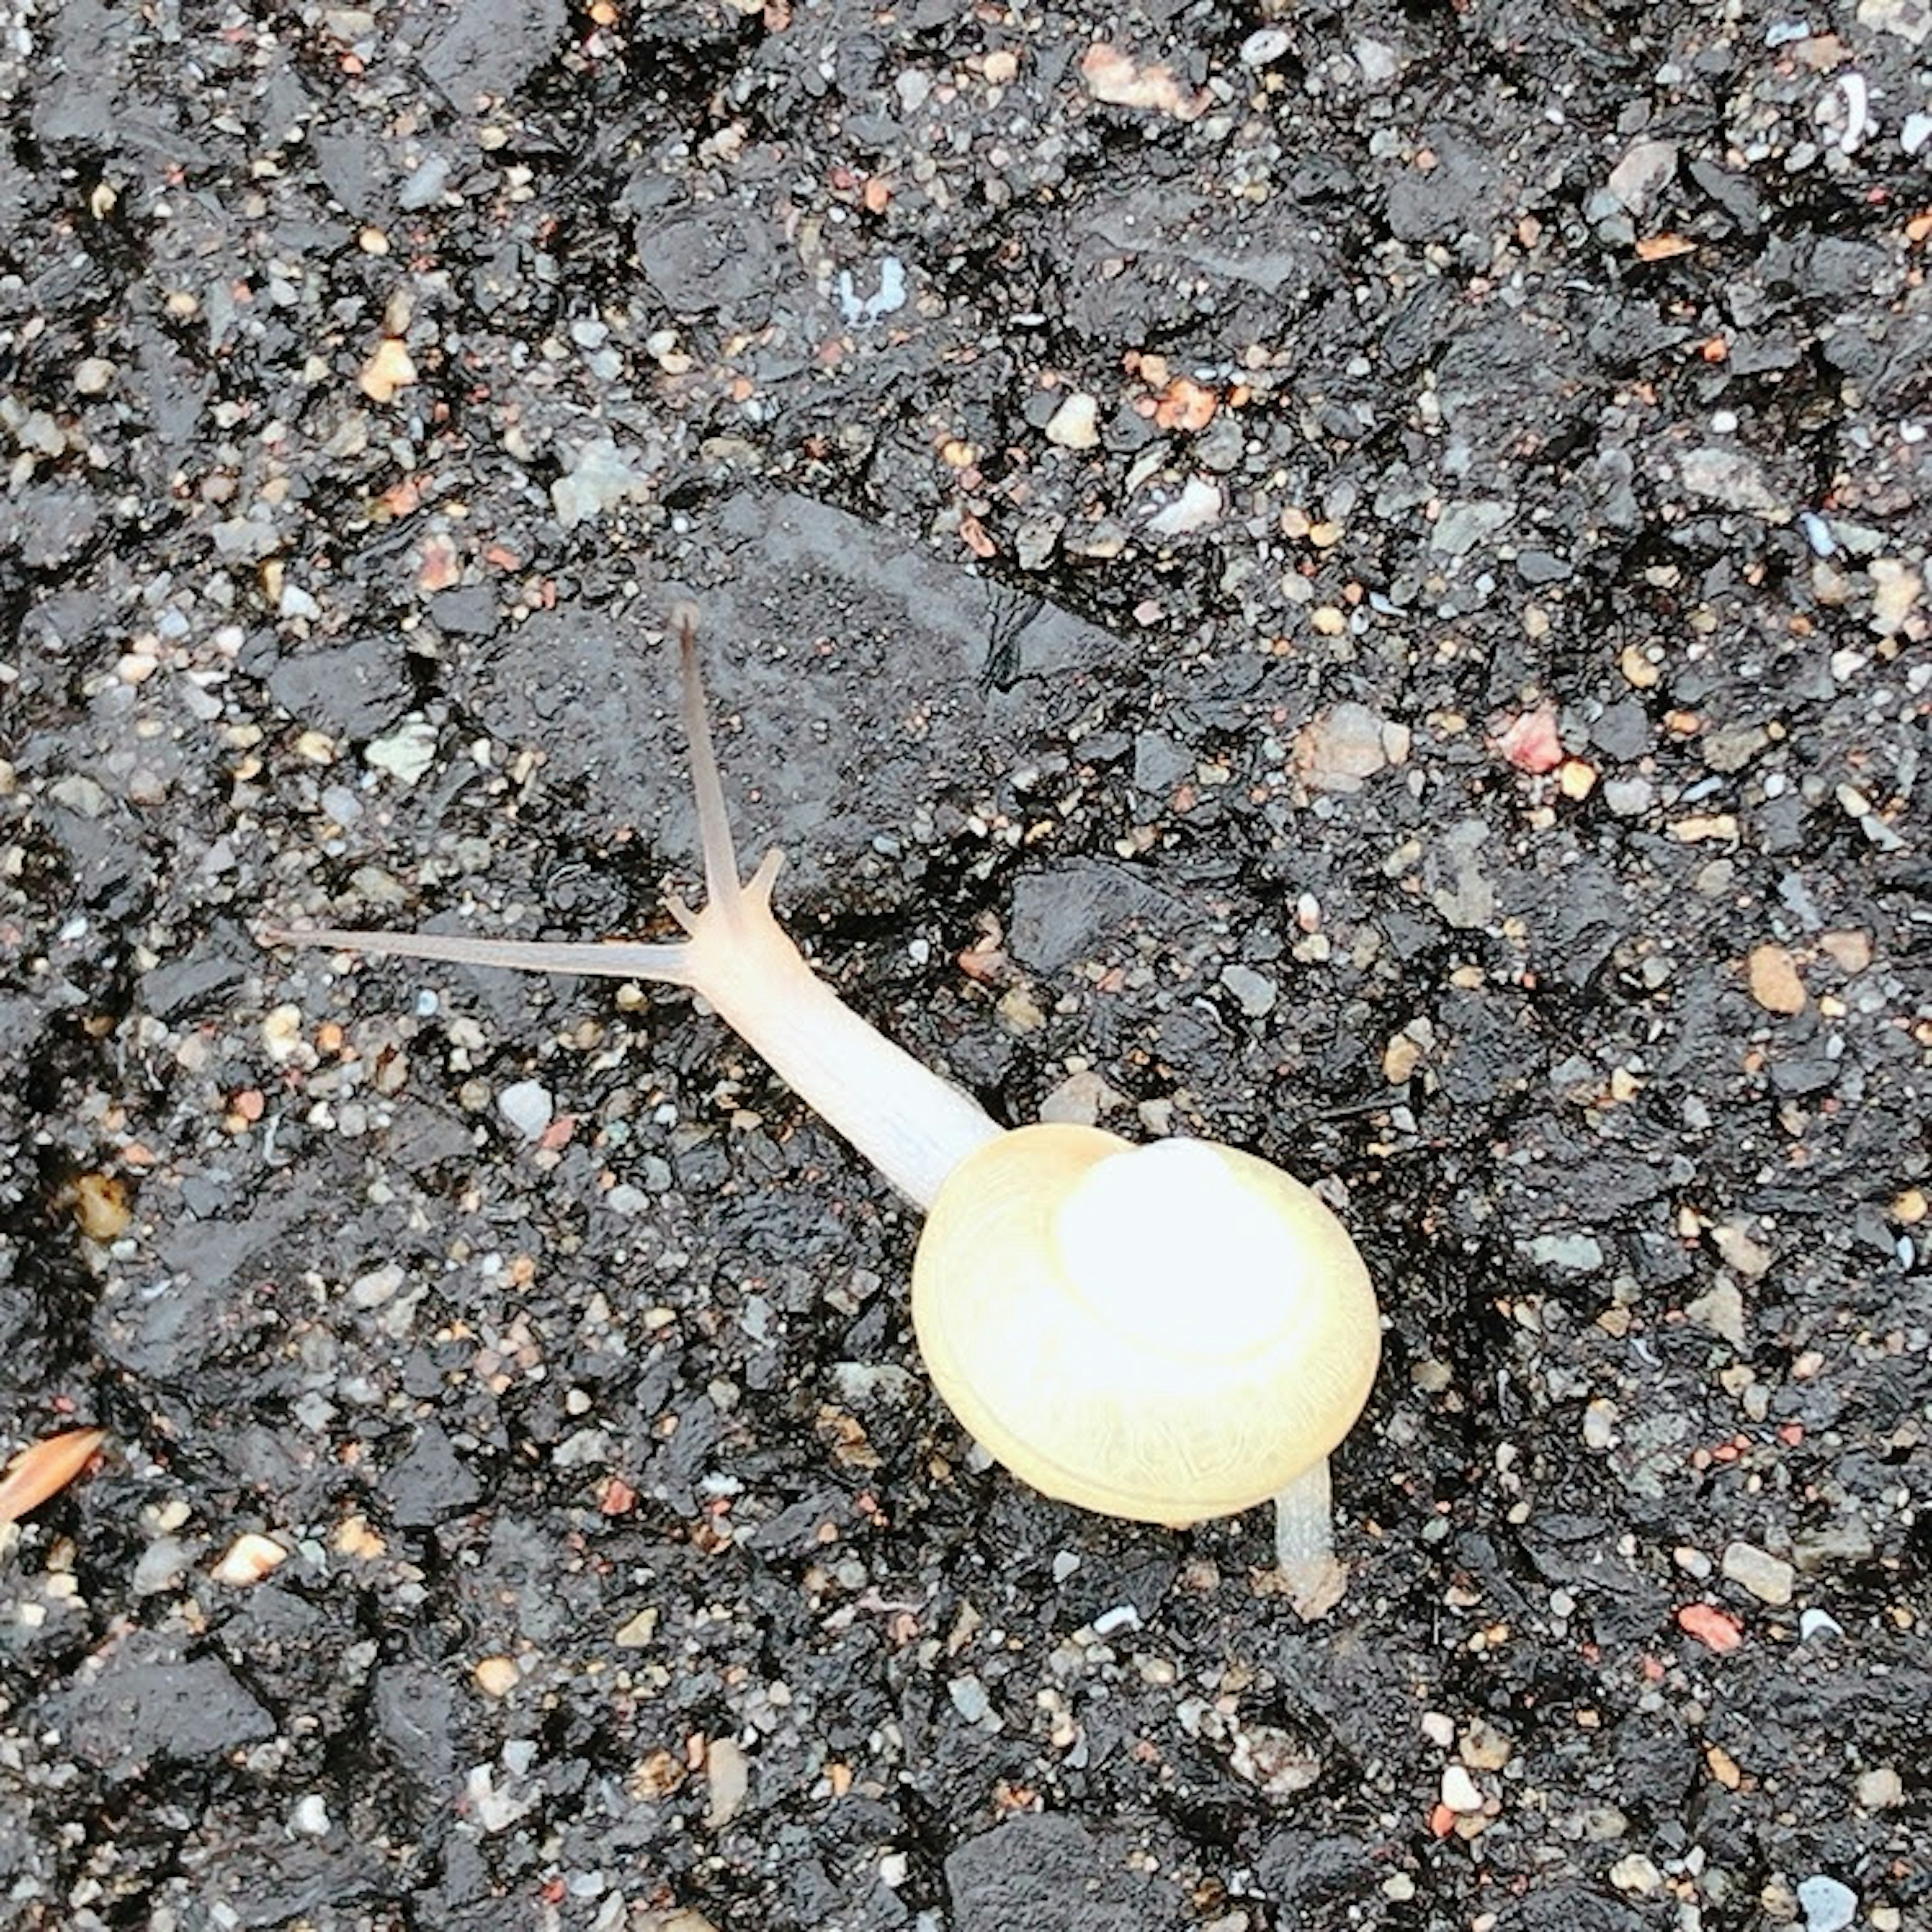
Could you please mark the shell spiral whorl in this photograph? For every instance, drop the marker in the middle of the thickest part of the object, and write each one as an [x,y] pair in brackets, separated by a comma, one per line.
[1167,1332]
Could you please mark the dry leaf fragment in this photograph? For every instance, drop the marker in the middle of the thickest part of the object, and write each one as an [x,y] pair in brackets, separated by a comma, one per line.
[46,1469]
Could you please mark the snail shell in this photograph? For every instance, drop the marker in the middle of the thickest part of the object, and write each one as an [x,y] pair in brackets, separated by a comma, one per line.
[1165,1332]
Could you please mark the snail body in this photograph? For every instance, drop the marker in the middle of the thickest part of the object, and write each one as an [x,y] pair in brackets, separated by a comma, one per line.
[1167,1332]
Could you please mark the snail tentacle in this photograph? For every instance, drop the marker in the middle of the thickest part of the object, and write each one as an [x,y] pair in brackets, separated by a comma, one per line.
[914,1126]
[722,889]
[615,958]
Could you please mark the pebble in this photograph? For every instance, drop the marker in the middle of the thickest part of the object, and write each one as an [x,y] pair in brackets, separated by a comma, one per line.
[1895,589]
[1583,1254]
[1075,423]
[599,479]
[887,299]
[1272,1760]
[1749,1257]
[1483,1747]
[1721,1311]
[1768,1578]
[1264,45]
[406,753]
[1730,477]
[1462,526]
[425,187]
[1828,1905]
[282,1035]
[1910,21]
[969,1698]
[1256,993]
[94,376]
[1642,175]
[1198,505]
[1337,751]
[728,1775]
[250,1558]
[1629,798]
[79,794]
[1635,1873]
[497,1676]
[1460,1792]
[527,1107]
[1881,1788]
[310,1816]
[1378,61]
[389,370]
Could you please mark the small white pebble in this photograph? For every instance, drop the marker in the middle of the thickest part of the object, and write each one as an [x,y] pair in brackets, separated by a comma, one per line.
[1459,1790]
[527,1107]
[282,1033]
[1635,1873]
[310,1816]
[1829,1905]
[1122,1616]
[1075,423]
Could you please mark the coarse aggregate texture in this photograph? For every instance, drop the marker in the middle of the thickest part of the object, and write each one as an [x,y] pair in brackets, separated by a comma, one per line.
[1349,578]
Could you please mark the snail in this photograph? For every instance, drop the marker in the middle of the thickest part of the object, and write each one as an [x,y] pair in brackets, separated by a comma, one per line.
[1167,1333]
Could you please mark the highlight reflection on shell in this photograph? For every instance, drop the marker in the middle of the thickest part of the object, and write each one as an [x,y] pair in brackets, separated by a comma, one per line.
[1166,1332]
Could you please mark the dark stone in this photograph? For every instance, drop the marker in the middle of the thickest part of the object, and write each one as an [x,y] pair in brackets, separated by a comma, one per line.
[720,259]
[430,1483]
[1542,566]
[1570,1908]
[197,984]
[1047,1873]
[351,688]
[490,46]
[1063,915]
[205,1304]
[1311,1876]
[415,1711]
[149,1702]
[470,612]
[1623,731]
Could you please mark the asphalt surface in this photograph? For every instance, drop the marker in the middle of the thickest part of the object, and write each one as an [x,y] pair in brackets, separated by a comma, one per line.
[1353,582]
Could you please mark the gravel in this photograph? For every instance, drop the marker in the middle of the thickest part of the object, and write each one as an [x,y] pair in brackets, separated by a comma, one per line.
[1353,581]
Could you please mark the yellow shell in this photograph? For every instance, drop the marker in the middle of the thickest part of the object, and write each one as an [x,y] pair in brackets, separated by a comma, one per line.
[1166,1332]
